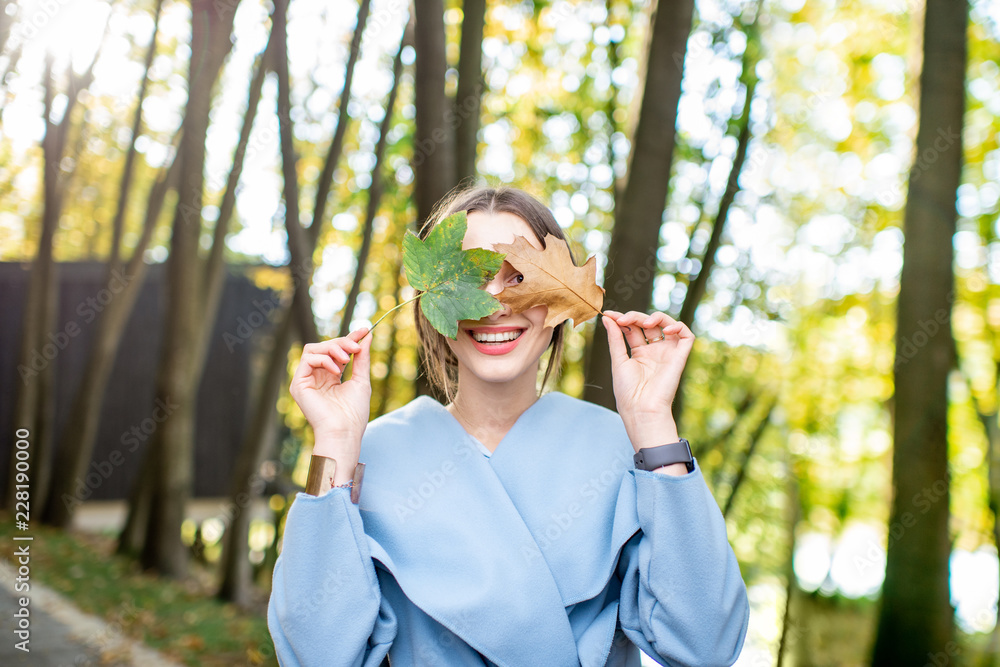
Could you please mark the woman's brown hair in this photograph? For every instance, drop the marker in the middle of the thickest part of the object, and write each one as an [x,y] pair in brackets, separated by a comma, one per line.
[440,363]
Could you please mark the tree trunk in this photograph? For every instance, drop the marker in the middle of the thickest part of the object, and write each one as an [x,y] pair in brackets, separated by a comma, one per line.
[433,153]
[747,457]
[697,287]
[469,95]
[6,24]
[713,443]
[12,60]
[214,273]
[77,444]
[614,61]
[173,442]
[236,585]
[80,433]
[640,212]
[298,245]
[612,127]
[337,143]
[215,268]
[993,471]
[916,619]
[789,629]
[433,159]
[140,500]
[374,195]
[214,280]
[38,354]
[55,183]
[385,391]
[991,429]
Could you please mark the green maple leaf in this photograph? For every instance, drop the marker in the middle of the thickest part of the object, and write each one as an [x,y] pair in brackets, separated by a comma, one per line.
[449,277]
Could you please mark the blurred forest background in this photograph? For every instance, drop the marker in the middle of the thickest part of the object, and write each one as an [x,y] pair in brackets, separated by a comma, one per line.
[749,167]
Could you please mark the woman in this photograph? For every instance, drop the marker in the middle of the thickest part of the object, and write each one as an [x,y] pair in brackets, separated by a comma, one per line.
[506,527]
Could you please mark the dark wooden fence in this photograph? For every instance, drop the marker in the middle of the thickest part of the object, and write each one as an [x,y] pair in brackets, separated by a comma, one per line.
[240,331]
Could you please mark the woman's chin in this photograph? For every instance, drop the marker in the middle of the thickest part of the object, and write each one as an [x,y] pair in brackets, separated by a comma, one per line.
[499,373]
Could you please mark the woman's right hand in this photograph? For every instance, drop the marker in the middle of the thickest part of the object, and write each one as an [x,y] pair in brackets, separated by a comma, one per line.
[337,411]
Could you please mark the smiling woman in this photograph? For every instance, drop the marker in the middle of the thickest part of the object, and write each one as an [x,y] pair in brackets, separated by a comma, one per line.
[494,216]
[506,527]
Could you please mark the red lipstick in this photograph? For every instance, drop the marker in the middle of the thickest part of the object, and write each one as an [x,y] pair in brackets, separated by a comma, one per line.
[494,348]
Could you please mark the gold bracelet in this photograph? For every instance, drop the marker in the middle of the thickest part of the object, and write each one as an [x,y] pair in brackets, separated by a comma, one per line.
[321,474]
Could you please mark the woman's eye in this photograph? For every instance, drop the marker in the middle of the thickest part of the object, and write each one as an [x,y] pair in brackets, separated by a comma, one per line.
[519,278]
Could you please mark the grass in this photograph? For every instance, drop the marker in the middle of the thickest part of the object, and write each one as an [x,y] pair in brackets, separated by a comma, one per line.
[181,619]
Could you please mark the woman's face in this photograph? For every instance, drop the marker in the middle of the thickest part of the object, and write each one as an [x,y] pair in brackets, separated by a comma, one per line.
[523,339]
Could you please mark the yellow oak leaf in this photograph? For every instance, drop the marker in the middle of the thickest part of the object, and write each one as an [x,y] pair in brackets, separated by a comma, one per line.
[551,279]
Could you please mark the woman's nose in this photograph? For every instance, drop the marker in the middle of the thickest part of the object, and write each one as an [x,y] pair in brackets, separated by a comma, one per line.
[503,312]
[494,286]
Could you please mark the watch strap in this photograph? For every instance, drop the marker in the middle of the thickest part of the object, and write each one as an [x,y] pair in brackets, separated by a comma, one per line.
[651,458]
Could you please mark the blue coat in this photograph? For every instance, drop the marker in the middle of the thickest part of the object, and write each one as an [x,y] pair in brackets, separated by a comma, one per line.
[551,551]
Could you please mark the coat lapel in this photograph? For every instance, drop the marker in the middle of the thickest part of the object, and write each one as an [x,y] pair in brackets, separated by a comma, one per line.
[565,473]
[442,522]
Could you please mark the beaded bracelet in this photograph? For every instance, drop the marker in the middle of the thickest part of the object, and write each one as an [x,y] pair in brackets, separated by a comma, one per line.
[322,470]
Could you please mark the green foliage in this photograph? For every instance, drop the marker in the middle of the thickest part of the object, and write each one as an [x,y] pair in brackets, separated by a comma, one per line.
[450,278]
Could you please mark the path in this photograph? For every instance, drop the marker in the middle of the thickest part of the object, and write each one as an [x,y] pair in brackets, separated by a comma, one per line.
[62,635]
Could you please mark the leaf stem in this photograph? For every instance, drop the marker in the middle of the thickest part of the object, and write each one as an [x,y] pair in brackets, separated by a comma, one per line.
[397,306]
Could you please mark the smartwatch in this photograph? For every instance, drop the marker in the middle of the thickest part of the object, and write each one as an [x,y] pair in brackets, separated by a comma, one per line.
[651,458]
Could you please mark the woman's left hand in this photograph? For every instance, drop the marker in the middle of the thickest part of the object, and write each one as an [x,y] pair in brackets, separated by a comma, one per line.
[646,382]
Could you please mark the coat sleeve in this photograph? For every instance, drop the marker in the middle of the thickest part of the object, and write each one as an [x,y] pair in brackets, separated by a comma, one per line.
[683,600]
[326,607]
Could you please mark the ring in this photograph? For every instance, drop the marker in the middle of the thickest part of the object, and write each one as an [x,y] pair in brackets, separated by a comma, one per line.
[655,340]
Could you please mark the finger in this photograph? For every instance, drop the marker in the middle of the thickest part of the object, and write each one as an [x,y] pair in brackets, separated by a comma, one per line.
[324,347]
[358,334]
[335,348]
[654,334]
[362,362]
[655,326]
[340,354]
[656,319]
[630,321]
[616,344]
[308,362]
[674,328]
[316,361]
[678,331]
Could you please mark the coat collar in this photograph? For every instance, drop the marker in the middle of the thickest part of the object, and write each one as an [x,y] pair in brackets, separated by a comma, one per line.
[496,548]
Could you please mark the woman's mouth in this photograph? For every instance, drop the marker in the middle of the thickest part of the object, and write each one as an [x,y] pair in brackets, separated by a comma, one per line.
[495,343]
